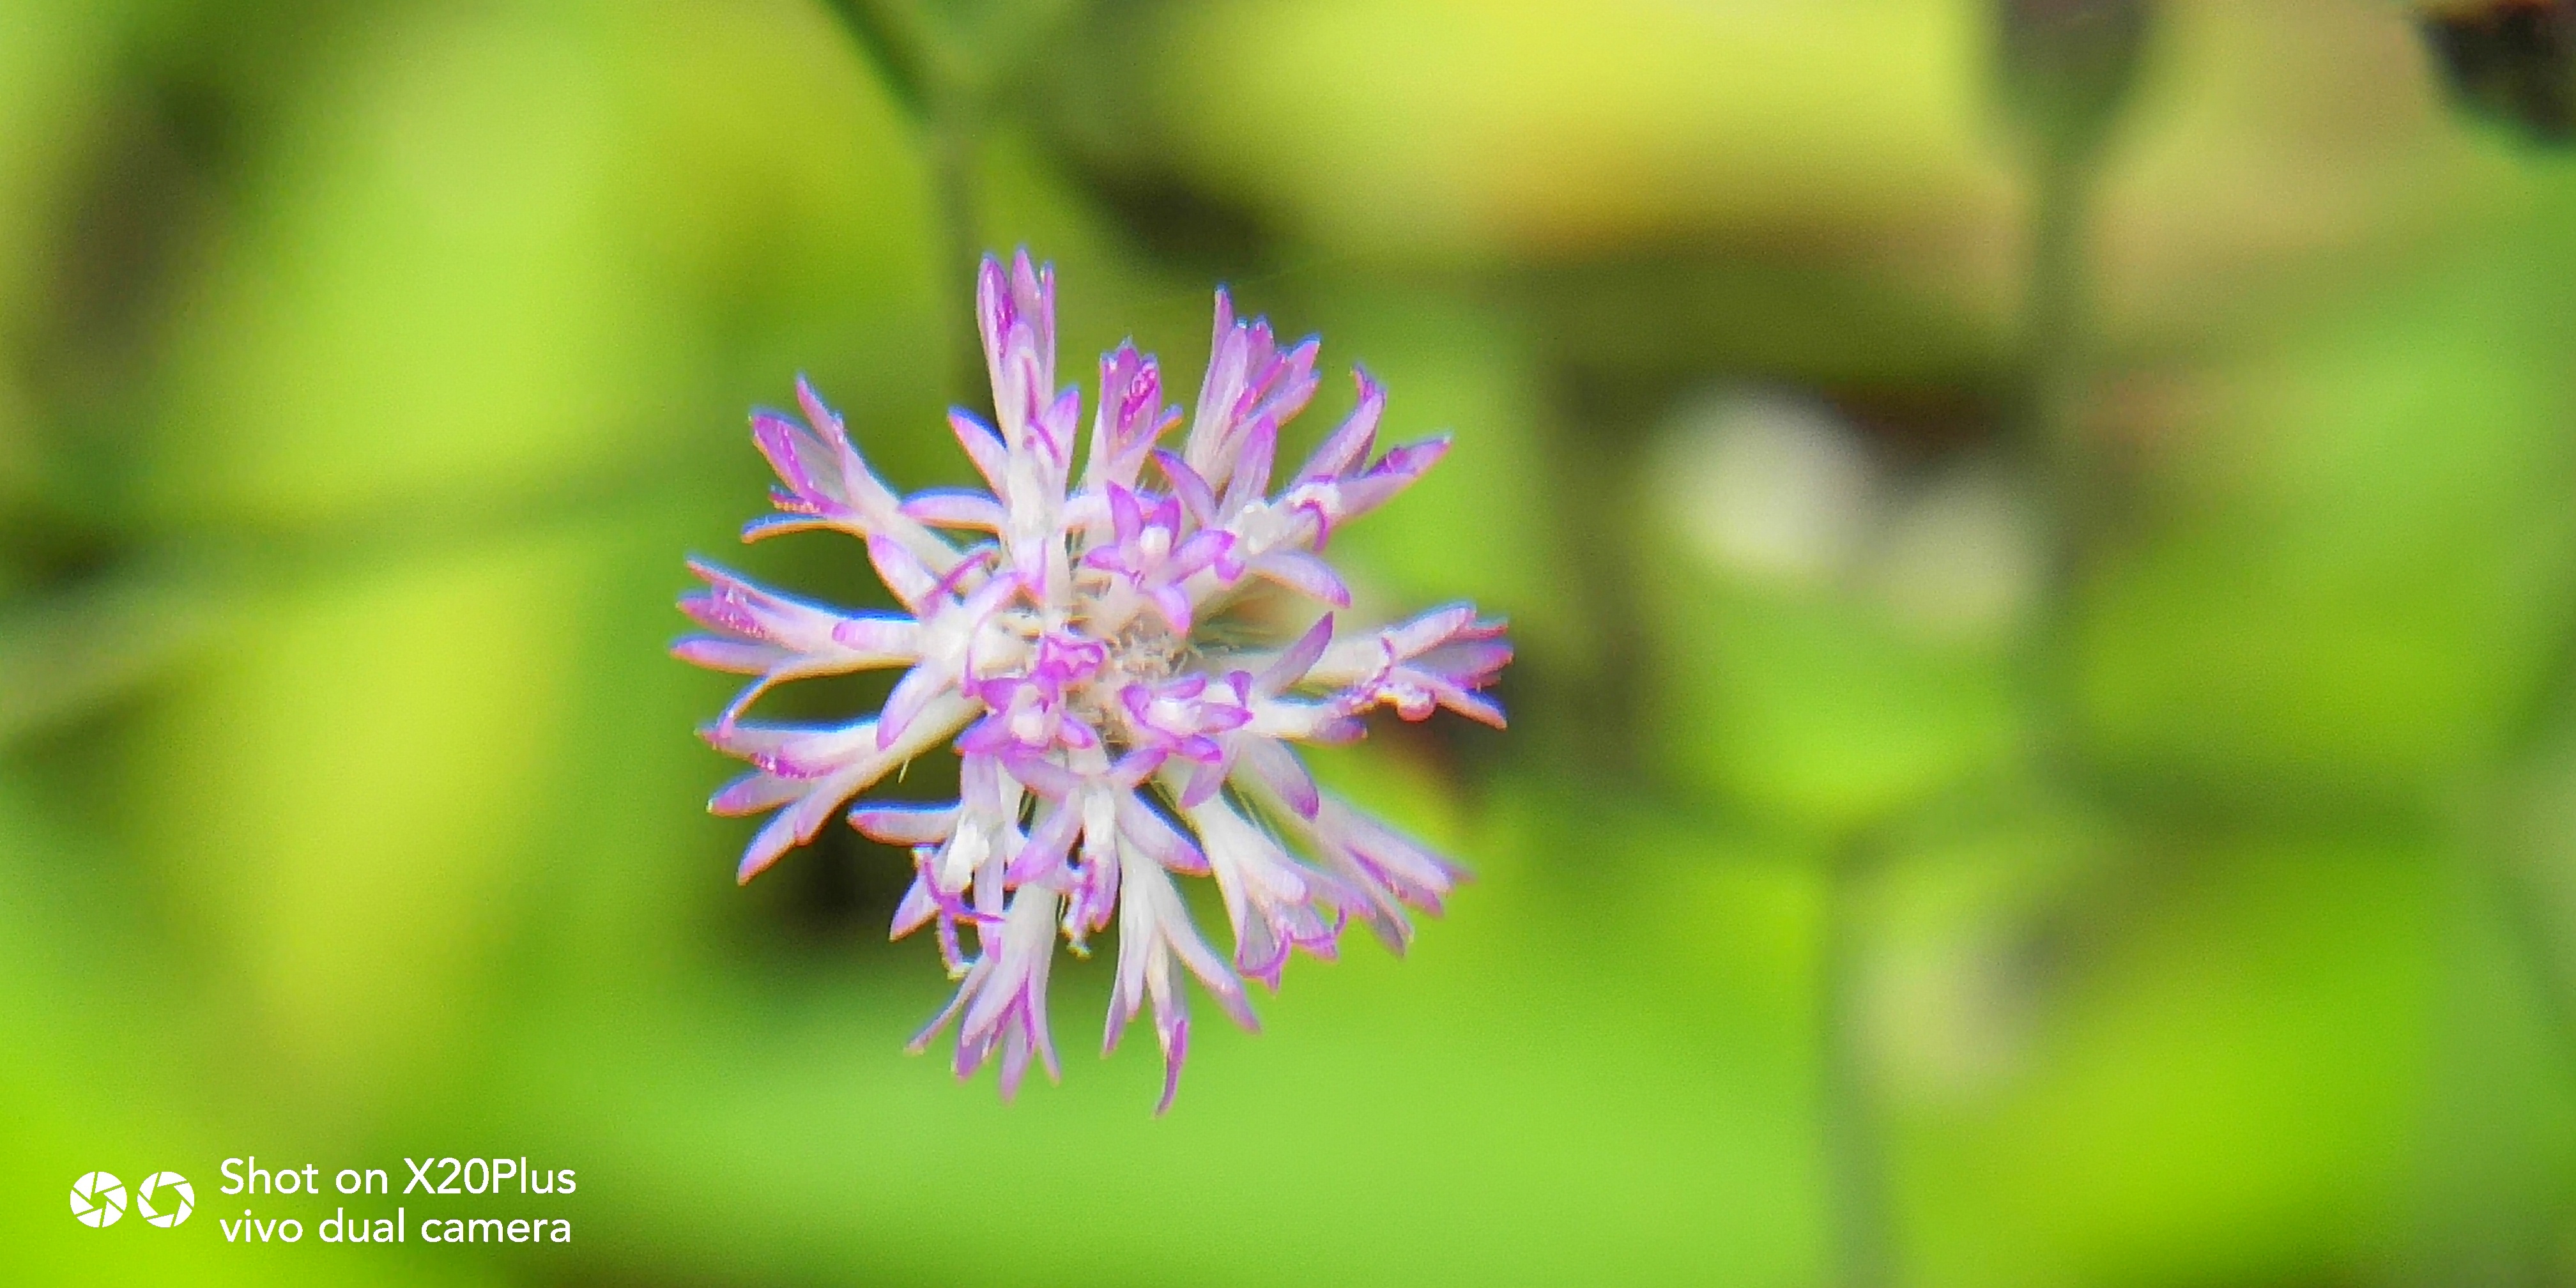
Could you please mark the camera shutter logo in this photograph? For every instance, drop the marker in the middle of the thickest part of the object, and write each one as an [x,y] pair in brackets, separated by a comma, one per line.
[177,1197]
[98,1199]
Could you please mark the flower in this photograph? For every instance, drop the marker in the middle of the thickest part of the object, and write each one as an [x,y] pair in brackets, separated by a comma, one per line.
[1122,718]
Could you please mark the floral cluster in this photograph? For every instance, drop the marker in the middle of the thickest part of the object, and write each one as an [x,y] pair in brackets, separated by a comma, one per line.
[1111,660]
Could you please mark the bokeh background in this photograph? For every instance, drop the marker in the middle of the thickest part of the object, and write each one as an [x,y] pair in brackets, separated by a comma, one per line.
[2041,536]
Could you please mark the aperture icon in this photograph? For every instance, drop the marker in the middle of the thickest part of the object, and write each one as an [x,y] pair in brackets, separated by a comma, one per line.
[176,1199]
[98,1199]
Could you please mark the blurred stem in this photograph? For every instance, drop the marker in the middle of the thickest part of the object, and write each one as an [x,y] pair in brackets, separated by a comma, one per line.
[2511,860]
[892,40]
[1598,708]
[2524,904]
[946,94]
[2057,348]
[1855,1156]
[74,650]
[2056,313]
[955,159]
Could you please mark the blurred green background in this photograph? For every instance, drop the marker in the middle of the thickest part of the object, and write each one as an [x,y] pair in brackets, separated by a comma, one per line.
[2042,540]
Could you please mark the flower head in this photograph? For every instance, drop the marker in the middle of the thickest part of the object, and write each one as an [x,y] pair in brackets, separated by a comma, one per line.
[1120,722]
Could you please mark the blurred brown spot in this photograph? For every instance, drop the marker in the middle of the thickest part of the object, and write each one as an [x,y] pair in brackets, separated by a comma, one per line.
[2511,60]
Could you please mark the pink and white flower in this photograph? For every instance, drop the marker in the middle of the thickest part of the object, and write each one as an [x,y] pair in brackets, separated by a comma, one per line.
[1079,644]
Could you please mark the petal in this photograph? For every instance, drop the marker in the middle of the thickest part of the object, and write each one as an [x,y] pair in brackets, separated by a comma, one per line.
[1126,516]
[983,446]
[801,461]
[1156,839]
[1173,606]
[1252,465]
[1348,445]
[911,694]
[1278,769]
[742,657]
[1043,854]
[1195,494]
[906,824]
[1305,574]
[1176,1050]
[1291,666]
[956,509]
[903,574]
[751,793]
[916,909]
